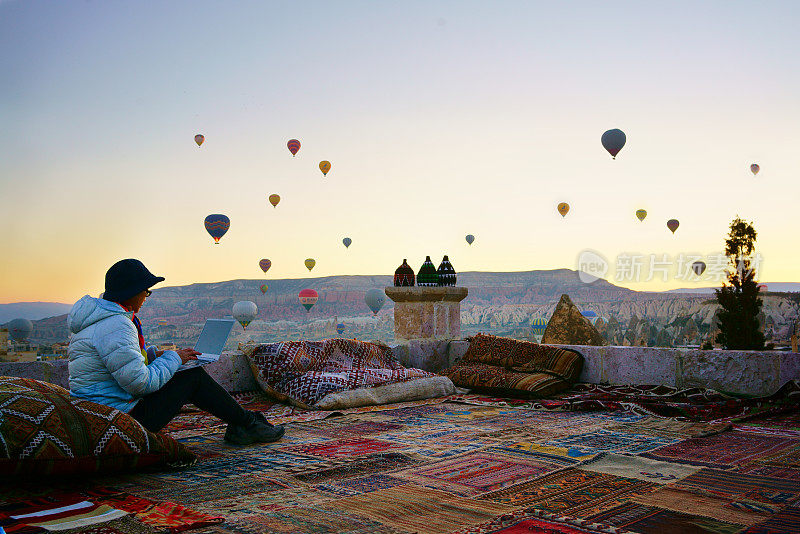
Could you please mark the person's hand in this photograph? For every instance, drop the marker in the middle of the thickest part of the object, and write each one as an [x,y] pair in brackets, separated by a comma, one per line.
[188,354]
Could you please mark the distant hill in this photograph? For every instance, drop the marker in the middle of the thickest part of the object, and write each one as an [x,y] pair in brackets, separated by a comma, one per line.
[31,310]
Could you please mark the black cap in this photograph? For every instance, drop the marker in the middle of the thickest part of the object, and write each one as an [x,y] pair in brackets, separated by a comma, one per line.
[127,278]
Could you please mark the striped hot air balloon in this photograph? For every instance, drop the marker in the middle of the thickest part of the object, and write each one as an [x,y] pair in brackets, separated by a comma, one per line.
[274,198]
[347,242]
[641,214]
[539,325]
[308,297]
[340,328]
[294,146]
[199,138]
[265,264]
[310,263]
[673,224]
[217,225]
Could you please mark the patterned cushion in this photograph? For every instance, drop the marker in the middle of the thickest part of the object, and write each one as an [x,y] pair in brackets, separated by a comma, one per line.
[45,431]
[509,366]
[304,372]
[496,380]
[523,356]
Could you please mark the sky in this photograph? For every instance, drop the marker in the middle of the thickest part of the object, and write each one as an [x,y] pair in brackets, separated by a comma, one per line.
[440,119]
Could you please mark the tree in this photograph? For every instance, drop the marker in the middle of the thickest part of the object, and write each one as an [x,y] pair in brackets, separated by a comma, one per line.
[739,299]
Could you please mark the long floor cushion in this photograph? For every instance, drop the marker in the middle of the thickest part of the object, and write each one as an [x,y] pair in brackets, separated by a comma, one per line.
[339,373]
[506,366]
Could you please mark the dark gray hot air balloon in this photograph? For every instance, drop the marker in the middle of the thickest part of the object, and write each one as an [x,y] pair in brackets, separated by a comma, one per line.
[375,299]
[613,141]
[19,329]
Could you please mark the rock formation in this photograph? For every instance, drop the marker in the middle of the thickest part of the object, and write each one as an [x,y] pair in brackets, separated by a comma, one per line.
[568,326]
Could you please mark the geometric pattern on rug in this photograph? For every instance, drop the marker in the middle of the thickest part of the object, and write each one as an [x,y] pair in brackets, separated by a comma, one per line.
[412,508]
[653,520]
[479,472]
[639,467]
[572,492]
[365,465]
[787,520]
[341,448]
[537,521]
[722,450]
[611,441]
[745,491]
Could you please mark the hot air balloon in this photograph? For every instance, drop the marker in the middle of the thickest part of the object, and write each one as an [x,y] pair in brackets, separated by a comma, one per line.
[308,297]
[699,267]
[340,328]
[754,168]
[19,329]
[673,224]
[325,167]
[199,138]
[613,141]
[245,311]
[274,199]
[375,299]
[470,238]
[310,263]
[265,264]
[590,315]
[538,326]
[641,214]
[263,288]
[563,209]
[163,322]
[217,225]
[346,242]
[294,146]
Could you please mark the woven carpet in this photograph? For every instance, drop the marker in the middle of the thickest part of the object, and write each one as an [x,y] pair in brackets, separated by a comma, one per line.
[442,466]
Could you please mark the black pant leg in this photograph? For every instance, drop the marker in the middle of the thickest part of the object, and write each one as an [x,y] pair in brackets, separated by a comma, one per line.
[157,409]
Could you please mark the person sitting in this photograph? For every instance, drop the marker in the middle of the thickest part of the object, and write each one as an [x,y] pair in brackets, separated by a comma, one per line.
[110,364]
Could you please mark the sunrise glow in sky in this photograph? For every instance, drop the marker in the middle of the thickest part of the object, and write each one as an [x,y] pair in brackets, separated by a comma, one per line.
[440,119]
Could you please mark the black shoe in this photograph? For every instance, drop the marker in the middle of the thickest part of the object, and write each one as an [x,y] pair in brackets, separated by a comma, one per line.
[261,431]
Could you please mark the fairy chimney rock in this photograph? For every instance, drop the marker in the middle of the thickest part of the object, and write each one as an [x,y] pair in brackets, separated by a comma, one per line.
[569,327]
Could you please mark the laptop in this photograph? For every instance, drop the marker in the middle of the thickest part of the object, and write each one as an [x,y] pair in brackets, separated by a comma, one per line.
[211,342]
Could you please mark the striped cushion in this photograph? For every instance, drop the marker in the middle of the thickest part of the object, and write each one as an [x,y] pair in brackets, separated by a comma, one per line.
[497,380]
[511,366]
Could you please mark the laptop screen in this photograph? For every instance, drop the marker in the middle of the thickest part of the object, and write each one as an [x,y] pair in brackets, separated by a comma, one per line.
[214,336]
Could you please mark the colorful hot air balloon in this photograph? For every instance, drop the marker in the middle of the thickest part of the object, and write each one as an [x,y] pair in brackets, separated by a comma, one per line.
[325,167]
[375,299]
[308,297]
[641,214]
[310,263]
[340,328]
[539,325]
[217,225]
[265,264]
[699,267]
[244,311]
[274,199]
[199,138]
[263,288]
[470,238]
[613,141]
[673,224]
[563,209]
[294,146]
[347,242]
[754,168]
[19,329]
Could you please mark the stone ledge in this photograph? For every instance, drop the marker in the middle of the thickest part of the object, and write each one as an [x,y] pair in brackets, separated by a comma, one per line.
[426,294]
[740,372]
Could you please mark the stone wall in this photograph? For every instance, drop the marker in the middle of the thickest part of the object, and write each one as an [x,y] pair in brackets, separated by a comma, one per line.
[742,372]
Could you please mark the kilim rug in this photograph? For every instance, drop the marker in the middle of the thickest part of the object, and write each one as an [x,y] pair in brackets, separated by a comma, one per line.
[688,503]
[722,450]
[745,491]
[534,521]
[639,467]
[654,520]
[412,508]
[573,492]
[787,520]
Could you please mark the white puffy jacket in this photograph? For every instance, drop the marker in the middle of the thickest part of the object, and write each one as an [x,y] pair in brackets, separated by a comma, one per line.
[106,364]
